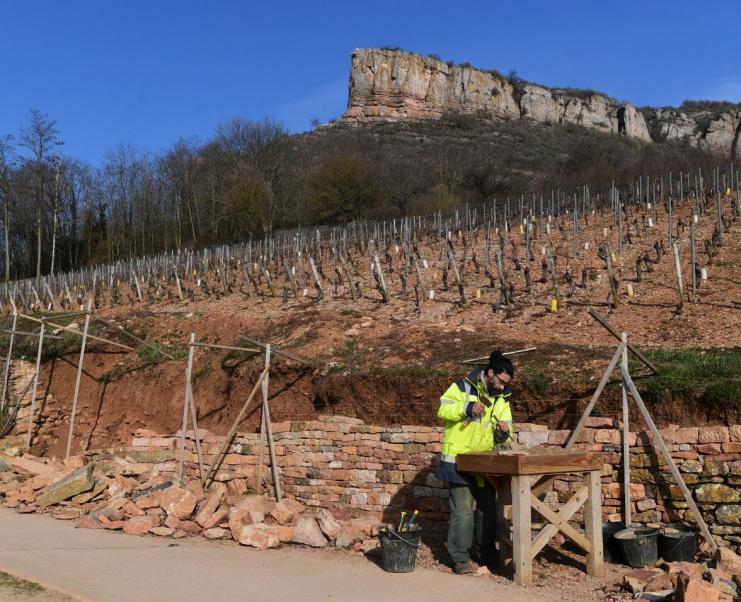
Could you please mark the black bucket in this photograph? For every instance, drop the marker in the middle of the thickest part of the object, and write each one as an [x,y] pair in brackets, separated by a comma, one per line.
[677,545]
[610,547]
[399,550]
[638,546]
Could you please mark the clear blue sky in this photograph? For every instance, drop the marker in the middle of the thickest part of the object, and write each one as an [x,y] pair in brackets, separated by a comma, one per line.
[150,72]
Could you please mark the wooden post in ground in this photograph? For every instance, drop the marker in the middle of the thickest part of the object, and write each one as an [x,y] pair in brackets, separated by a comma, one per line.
[29,435]
[456,273]
[188,373]
[77,381]
[660,446]
[10,352]
[626,439]
[680,283]
[177,285]
[269,426]
[380,280]
[196,436]
[693,260]
[317,282]
[138,288]
[261,456]
[348,276]
[611,275]
[420,282]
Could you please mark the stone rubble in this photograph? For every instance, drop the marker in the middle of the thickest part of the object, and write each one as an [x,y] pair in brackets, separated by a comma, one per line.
[98,495]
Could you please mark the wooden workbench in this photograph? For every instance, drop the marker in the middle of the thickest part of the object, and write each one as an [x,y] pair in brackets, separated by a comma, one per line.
[513,474]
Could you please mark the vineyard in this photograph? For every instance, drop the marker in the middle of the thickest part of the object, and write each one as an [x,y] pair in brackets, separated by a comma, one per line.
[369,314]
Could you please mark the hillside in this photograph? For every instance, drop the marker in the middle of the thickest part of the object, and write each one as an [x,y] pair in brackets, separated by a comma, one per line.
[387,361]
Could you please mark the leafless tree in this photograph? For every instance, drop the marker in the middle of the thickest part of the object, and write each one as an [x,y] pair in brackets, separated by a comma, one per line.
[40,136]
[6,160]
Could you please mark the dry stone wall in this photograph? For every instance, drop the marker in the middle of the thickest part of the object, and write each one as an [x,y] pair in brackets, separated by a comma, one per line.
[339,461]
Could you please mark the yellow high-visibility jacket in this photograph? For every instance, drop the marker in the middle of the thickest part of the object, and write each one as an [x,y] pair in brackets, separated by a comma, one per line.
[465,432]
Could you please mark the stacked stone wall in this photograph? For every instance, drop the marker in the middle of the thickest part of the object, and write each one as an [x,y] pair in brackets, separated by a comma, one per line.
[339,461]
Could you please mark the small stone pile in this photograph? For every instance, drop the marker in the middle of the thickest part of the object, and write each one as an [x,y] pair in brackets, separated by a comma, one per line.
[120,495]
[718,580]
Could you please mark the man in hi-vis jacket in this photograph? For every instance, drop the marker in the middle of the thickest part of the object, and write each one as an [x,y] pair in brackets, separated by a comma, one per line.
[477,418]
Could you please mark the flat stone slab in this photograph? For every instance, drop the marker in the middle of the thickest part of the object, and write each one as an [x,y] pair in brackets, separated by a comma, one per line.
[80,481]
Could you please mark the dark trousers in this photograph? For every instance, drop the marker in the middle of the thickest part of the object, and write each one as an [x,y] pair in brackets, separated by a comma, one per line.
[461,529]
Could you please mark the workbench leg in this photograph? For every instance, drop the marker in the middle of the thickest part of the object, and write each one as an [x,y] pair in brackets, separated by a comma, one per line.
[504,500]
[521,530]
[593,522]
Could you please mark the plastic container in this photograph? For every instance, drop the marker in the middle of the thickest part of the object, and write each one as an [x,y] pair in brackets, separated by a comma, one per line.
[638,546]
[610,548]
[399,550]
[677,545]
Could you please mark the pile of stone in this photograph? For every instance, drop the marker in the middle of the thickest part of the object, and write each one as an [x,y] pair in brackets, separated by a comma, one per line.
[121,495]
[718,580]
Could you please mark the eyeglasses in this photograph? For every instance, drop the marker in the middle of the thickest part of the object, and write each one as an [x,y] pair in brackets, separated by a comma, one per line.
[503,383]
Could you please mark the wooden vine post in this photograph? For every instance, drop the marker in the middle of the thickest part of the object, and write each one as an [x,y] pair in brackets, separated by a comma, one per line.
[6,375]
[77,381]
[680,283]
[269,426]
[31,415]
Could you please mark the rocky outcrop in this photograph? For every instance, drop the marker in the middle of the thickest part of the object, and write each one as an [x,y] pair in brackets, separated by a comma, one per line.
[718,132]
[671,124]
[393,85]
[389,85]
[724,135]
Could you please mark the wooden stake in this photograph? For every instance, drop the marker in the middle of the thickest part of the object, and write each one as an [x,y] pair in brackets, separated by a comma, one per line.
[35,386]
[77,381]
[680,283]
[269,427]
[232,431]
[262,453]
[196,436]
[693,260]
[317,282]
[614,332]
[188,372]
[7,359]
[626,439]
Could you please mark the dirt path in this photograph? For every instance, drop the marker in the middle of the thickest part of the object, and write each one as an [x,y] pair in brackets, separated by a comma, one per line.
[104,566]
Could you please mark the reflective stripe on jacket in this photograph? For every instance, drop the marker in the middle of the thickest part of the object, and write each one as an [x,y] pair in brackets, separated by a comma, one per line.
[465,432]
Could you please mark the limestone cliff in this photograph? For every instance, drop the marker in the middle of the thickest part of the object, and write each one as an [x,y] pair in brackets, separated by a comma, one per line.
[394,85]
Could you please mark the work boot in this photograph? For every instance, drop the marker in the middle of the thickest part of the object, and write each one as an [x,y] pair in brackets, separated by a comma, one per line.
[464,568]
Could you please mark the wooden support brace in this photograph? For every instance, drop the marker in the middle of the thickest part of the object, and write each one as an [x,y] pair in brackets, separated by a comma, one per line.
[660,446]
[232,431]
[77,381]
[614,332]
